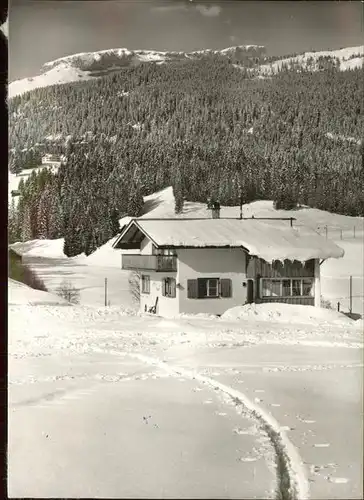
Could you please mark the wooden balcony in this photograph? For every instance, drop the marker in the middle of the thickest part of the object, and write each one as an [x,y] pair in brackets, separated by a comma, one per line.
[165,263]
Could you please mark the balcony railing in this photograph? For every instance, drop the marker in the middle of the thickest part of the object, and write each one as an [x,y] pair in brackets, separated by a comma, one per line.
[150,262]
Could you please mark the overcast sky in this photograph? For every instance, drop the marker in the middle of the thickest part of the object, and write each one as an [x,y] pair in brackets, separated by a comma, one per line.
[41,30]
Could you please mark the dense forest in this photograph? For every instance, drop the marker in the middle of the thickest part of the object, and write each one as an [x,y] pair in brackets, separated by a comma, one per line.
[206,127]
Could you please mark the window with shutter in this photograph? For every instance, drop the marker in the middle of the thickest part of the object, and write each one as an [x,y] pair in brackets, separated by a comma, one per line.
[208,288]
[226,288]
[192,289]
[169,287]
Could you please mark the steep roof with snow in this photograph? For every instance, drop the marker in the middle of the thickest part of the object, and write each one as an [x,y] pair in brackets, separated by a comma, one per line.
[268,239]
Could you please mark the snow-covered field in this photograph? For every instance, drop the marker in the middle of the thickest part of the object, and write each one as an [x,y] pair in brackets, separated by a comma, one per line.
[110,404]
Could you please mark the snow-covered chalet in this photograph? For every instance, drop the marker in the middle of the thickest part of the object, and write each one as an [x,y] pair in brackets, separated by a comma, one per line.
[210,265]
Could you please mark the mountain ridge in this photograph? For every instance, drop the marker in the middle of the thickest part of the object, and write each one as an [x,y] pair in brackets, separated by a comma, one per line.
[89,65]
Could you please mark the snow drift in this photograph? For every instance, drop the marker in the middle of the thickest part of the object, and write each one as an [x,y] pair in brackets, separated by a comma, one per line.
[287,313]
[20,294]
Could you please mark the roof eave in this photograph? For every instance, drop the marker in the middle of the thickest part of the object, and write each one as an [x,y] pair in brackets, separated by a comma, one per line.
[118,239]
[126,229]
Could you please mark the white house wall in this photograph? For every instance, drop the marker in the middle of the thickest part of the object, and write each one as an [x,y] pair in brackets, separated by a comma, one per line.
[317,287]
[146,247]
[211,263]
[167,306]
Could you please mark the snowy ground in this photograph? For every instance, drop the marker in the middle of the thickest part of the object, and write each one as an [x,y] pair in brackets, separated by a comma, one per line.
[214,408]
[190,407]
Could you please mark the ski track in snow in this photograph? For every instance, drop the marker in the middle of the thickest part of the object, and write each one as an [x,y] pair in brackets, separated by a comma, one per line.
[299,484]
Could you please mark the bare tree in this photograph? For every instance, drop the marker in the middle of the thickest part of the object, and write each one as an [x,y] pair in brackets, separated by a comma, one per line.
[134,285]
[68,292]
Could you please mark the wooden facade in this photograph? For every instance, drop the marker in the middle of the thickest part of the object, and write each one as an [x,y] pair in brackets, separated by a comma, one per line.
[303,301]
[149,262]
[258,268]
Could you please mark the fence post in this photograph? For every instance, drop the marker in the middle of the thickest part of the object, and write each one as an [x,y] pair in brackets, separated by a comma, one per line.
[341,234]
[105,292]
[351,295]
[338,307]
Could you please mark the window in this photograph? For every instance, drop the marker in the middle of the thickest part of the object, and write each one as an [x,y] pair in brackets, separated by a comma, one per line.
[145,283]
[287,287]
[208,287]
[165,251]
[296,288]
[307,287]
[203,288]
[212,287]
[276,288]
[169,287]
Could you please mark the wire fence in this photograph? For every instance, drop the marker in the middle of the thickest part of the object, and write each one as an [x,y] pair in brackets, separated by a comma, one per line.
[337,233]
[348,293]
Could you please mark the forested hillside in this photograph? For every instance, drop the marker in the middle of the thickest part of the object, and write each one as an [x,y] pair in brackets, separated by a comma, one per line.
[207,127]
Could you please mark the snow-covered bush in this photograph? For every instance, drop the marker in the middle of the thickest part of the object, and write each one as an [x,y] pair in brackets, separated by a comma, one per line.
[68,292]
[326,304]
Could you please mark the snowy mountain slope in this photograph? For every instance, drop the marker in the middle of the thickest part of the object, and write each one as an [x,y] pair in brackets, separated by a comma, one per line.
[347,58]
[62,73]
[88,65]
[161,205]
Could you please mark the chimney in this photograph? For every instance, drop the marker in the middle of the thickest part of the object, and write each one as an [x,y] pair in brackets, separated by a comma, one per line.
[214,206]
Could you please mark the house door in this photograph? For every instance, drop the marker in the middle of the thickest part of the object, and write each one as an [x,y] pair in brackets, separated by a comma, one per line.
[250,292]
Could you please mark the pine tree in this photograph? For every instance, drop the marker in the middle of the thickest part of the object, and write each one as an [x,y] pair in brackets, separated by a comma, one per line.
[14,165]
[136,202]
[55,223]
[13,227]
[178,190]
[43,215]
[26,229]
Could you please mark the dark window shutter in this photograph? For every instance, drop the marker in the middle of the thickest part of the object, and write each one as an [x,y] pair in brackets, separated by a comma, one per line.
[226,288]
[173,287]
[192,289]
[164,287]
[201,287]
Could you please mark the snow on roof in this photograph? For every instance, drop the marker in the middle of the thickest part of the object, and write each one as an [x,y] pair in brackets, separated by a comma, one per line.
[268,239]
